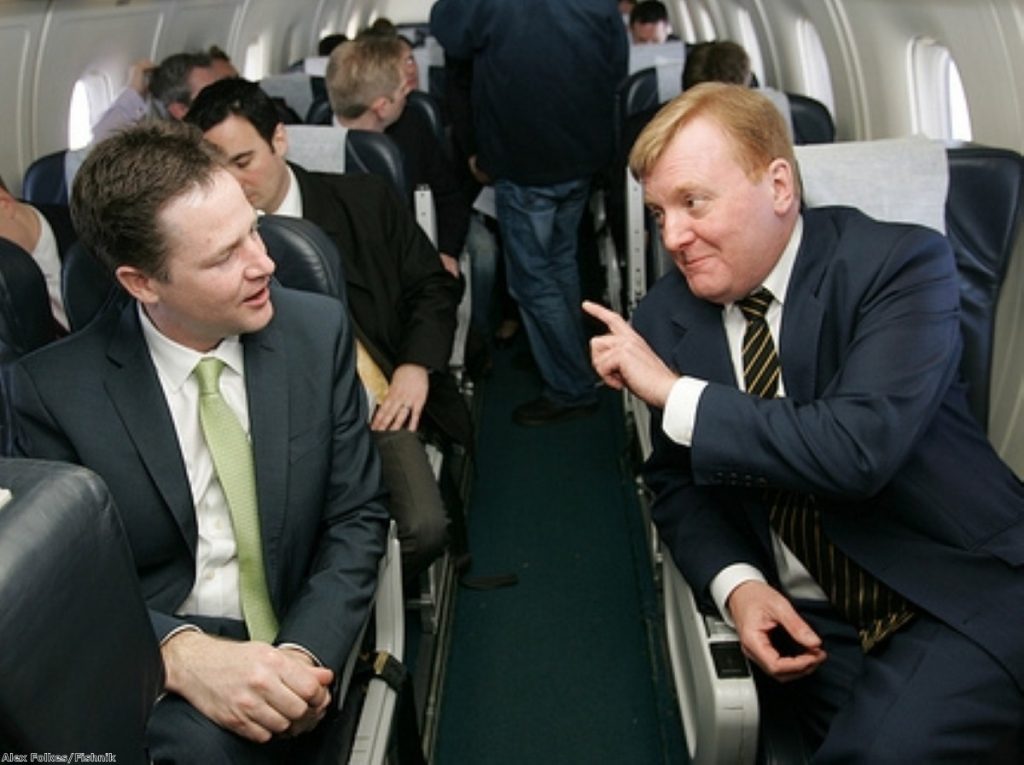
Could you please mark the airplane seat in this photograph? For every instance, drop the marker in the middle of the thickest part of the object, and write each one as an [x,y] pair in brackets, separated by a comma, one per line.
[430,109]
[45,182]
[305,256]
[811,120]
[333,149]
[983,216]
[86,285]
[975,195]
[295,90]
[81,664]
[25,320]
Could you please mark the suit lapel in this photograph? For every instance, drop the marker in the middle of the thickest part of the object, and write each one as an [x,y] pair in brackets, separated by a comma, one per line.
[804,311]
[700,346]
[135,392]
[266,384]
[320,206]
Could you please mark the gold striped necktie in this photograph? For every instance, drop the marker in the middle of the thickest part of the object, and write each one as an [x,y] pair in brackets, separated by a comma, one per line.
[233,461]
[874,609]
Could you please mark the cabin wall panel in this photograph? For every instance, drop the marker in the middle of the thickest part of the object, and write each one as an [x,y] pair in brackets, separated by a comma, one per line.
[195,25]
[280,33]
[20,30]
[82,36]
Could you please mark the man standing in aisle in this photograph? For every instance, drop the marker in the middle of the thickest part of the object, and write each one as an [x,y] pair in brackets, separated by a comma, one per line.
[544,80]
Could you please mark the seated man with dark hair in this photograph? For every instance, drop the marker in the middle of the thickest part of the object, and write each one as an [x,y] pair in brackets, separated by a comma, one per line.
[402,301]
[164,90]
[717,61]
[225,416]
[648,23]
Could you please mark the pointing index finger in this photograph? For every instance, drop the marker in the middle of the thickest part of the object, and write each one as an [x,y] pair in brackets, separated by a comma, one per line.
[612,320]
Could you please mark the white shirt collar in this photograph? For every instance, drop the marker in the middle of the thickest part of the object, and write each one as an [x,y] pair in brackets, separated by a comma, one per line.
[175,362]
[291,205]
[777,281]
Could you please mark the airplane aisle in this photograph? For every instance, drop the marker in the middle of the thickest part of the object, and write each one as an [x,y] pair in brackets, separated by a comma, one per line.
[567,666]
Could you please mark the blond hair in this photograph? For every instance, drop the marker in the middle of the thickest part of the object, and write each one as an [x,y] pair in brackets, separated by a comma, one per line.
[753,124]
[362,70]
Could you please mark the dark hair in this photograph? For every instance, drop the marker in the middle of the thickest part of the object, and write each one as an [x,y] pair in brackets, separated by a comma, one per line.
[2,184]
[235,96]
[329,43]
[169,82]
[127,179]
[648,12]
[721,61]
[215,52]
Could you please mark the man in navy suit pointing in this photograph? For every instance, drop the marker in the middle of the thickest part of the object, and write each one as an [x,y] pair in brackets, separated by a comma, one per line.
[818,475]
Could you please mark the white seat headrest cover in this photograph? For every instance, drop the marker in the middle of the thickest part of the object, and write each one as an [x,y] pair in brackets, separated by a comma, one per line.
[903,180]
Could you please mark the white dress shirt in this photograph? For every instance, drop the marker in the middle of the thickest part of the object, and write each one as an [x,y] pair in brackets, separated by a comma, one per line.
[47,256]
[681,413]
[215,591]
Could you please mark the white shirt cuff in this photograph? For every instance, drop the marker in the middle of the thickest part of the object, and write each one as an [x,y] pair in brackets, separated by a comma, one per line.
[727,580]
[681,409]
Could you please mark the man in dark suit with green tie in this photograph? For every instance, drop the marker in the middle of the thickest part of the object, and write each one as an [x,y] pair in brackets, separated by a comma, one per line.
[251,495]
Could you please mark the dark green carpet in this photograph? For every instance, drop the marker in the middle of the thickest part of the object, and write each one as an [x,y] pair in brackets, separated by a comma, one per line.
[559,668]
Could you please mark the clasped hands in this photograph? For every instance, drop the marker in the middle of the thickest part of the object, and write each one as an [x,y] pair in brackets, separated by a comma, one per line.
[253,689]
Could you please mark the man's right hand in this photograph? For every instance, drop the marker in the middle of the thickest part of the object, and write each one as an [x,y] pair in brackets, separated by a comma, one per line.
[759,611]
[253,689]
[138,75]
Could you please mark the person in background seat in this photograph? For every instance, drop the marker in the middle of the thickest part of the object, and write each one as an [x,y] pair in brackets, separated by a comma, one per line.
[818,475]
[368,88]
[648,23]
[716,61]
[45,233]
[402,301]
[166,90]
[225,416]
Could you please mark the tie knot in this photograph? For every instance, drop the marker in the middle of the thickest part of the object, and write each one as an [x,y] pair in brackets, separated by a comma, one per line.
[207,374]
[755,305]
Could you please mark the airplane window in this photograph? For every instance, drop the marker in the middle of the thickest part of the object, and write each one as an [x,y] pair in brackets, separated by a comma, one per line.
[939,103]
[748,39]
[814,64]
[254,66]
[90,96]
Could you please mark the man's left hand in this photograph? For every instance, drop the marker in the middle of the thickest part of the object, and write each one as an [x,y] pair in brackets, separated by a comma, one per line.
[407,394]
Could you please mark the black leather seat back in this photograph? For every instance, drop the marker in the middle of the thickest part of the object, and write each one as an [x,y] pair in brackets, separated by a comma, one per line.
[983,214]
[811,120]
[45,182]
[377,154]
[87,286]
[25,321]
[80,664]
[305,256]
[430,110]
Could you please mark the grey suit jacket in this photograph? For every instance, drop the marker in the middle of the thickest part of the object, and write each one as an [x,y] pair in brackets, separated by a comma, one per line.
[94,399]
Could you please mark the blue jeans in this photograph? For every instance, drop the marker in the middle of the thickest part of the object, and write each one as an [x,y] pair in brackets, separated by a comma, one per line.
[539,229]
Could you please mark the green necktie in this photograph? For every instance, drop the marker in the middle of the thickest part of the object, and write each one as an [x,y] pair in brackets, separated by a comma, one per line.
[232,459]
[874,609]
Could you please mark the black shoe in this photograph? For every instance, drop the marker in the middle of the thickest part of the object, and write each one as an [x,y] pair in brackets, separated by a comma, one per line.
[542,411]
